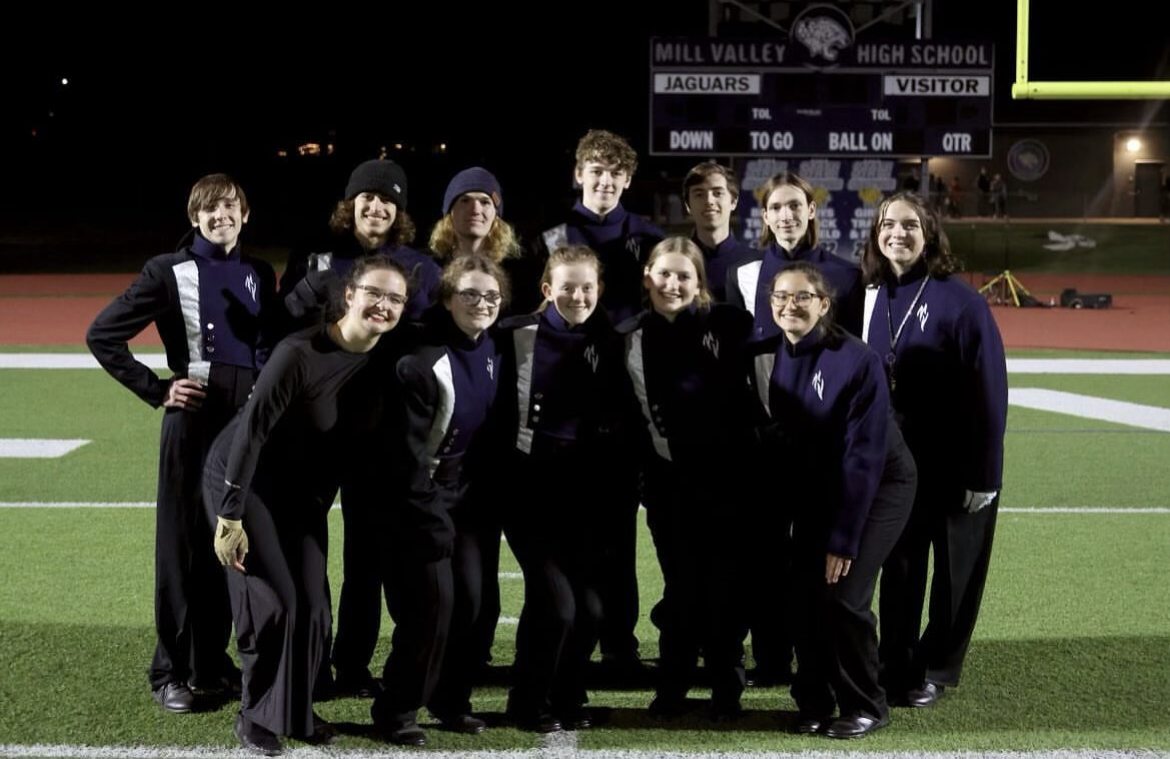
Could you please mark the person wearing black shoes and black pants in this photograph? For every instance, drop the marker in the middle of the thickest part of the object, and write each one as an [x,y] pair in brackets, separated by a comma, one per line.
[211,304]
[269,483]
[947,374]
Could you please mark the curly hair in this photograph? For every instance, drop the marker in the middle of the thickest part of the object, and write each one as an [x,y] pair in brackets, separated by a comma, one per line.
[402,231]
[607,148]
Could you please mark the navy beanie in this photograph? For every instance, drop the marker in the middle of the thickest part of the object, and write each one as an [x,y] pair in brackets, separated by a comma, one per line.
[475,179]
[383,177]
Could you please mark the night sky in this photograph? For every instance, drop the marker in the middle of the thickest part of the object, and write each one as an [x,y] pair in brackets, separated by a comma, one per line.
[144,115]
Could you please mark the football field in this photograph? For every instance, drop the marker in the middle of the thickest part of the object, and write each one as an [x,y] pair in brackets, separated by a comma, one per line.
[1071,656]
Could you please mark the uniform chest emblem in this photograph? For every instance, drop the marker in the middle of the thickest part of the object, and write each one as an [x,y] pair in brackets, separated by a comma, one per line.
[591,357]
[711,343]
[252,285]
[491,367]
[634,245]
[818,383]
[922,315]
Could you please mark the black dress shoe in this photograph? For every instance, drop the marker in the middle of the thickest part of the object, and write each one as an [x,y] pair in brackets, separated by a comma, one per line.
[360,684]
[324,733]
[175,697]
[257,739]
[578,718]
[668,707]
[462,723]
[535,721]
[406,734]
[924,695]
[854,727]
[811,724]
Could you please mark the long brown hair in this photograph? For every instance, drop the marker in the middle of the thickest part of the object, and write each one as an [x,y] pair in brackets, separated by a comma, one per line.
[940,261]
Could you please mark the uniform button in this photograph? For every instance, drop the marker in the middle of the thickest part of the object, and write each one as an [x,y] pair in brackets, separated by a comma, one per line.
[210,325]
[211,349]
[539,396]
[536,419]
[536,407]
[654,407]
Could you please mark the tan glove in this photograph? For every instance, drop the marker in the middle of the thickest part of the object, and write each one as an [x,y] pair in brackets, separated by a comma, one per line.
[231,542]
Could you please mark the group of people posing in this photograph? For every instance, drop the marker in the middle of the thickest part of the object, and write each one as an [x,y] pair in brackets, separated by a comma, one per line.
[688,375]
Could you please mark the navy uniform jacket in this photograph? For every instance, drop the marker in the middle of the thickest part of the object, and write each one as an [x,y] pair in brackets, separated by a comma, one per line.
[749,281]
[310,280]
[561,382]
[720,259]
[950,390]
[622,241]
[828,414]
[447,390]
[210,309]
[311,400]
[688,377]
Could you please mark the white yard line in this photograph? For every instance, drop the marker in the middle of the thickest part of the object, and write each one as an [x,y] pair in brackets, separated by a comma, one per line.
[37,448]
[1014,365]
[562,746]
[1092,407]
[518,575]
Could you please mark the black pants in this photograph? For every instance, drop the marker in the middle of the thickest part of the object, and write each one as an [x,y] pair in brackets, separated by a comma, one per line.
[421,597]
[692,518]
[836,631]
[618,583]
[469,572]
[359,610]
[553,530]
[962,554]
[191,611]
[280,606]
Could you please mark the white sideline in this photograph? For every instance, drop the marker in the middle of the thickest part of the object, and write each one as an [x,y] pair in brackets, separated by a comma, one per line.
[516,575]
[552,750]
[1014,365]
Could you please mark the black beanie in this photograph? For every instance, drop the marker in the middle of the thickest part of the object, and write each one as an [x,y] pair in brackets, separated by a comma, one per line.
[383,177]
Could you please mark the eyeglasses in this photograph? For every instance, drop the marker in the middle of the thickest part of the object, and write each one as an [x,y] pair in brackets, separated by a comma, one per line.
[781,298]
[376,295]
[471,298]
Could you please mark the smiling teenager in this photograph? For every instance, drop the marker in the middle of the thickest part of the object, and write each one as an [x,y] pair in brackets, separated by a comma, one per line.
[268,486]
[562,395]
[789,212]
[436,525]
[684,358]
[947,374]
[826,414]
[211,304]
[370,218]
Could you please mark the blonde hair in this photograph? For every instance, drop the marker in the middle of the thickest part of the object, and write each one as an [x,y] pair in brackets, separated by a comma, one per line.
[684,246]
[500,243]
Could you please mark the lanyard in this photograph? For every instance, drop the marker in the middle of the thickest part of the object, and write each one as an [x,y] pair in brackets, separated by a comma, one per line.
[891,357]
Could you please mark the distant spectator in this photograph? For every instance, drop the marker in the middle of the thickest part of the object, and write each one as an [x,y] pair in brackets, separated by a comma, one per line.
[911,181]
[954,198]
[999,197]
[985,192]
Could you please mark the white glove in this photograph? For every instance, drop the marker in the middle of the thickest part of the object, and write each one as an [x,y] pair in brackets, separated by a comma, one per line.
[231,542]
[974,501]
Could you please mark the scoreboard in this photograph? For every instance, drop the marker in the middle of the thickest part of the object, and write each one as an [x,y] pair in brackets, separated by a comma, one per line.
[755,97]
